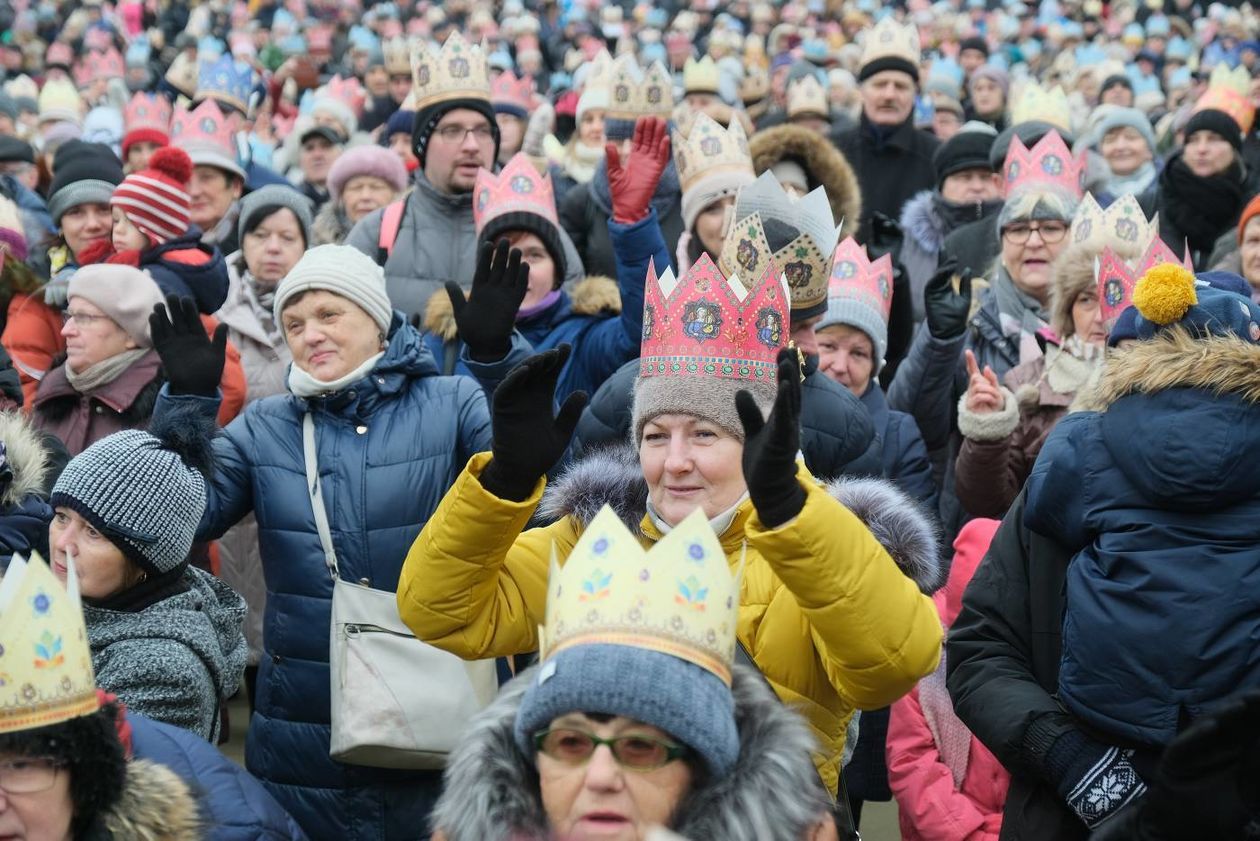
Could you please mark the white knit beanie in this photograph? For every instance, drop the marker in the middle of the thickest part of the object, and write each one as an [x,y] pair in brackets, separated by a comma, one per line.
[709,189]
[341,270]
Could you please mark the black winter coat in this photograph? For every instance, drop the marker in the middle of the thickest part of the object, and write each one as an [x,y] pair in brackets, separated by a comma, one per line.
[891,172]
[585,218]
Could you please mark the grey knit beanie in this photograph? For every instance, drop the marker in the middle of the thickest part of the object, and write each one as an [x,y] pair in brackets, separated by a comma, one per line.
[710,398]
[855,311]
[1125,118]
[274,196]
[341,270]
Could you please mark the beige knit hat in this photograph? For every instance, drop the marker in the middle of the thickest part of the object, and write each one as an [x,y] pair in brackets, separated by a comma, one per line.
[124,293]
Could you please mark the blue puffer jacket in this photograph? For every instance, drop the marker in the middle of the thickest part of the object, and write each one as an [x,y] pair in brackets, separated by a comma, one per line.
[233,806]
[388,446]
[189,268]
[904,456]
[1159,492]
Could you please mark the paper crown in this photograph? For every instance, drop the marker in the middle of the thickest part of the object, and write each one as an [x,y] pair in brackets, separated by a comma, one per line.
[98,37]
[148,111]
[635,93]
[1122,227]
[856,277]
[1048,162]
[1229,91]
[701,76]
[709,149]
[805,235]
[1036,103]
[99,65]
[22,86]
[60,54]
[397,53]
[599,74]
[182,75]
[806,96]
[347,91]
[678,597]
[517,188]
[1117,277]
[45,662]
[205,129]
[226,80]
[755,86]
[508,90]
[891,40]
[713,325]
[456,71]
[59,100]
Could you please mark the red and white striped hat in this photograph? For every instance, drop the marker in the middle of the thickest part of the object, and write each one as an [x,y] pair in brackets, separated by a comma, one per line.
[155,199]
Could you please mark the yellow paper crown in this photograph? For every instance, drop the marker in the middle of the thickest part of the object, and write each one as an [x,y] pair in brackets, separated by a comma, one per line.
[45,662]
[701,76]
[806,96]
[457,71]
[637,93]
[709,149]
[1122,227]
[397,54]
[1036,103]
[678,598]
[60,100]
[1229,91]
[889,39]
[756,85]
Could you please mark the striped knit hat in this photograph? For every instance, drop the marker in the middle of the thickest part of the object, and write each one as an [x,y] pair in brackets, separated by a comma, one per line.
[156,199]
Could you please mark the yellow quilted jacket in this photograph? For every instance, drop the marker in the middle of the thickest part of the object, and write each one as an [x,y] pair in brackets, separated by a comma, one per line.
[824,611]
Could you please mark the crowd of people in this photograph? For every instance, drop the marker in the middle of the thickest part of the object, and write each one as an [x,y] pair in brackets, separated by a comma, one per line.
[562,420]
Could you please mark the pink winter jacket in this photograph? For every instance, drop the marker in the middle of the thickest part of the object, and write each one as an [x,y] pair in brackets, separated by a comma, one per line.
[931,807]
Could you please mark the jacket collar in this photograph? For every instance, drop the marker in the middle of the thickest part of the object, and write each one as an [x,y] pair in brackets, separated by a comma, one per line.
[461,202]
[901,137]
[117,395]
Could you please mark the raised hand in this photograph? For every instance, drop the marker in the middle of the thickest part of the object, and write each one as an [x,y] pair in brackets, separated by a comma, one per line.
[771,446]
[192,360]
[984,394]
[486,319]
[947,311]
[633,185]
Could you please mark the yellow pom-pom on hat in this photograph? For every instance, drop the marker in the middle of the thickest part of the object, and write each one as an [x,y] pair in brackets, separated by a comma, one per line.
[1165,293]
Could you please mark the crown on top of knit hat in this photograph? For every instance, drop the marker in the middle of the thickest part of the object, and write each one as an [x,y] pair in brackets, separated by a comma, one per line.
[708,148]
[804,234]
[1048,162]
[227,80]
[805,96]
[205,128]
[456,71]
[889,39]
[1048,106]
[1229,91]
[347,91]
[635,93]
[701,76]
[1117,277]
[1122,226]
[397,53]
[45,663]
[854,275]
[507,89]
[148,111]
[106,64]
[518,188]
[600,70]
[679,597]
[60,100]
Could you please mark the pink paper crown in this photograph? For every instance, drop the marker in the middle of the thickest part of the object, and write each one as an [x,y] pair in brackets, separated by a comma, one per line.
[1117,278]
[148,111]
[1048,162]
[710,326]
[856,277]
[59,53]
[348,91]
[205,129]
[99,65]
[506,89]
[518,188]
[98,38]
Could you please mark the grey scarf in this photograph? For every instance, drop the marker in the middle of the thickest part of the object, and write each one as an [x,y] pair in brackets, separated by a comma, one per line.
[1021,315]
[260,300]
[104,372]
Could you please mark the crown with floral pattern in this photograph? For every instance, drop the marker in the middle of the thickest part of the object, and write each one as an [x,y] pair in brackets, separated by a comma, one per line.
[804,260]
[1122,226]
[1047,106]
[857,277]
[634,92]
[1117,277]
[148,111]
[708,149]
[508,90]
[226,80]
[807,96]
[890,39]
[678,597]
[1229,91]
[45,663]
[701,76]
[456,71]
[104,64]
[518,188]
[1048,162]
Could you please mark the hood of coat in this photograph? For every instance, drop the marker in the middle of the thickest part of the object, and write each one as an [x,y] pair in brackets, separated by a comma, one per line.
[491,790]
[595,295]
[1194,401]
[970,547]
[922,223]
[200,266]
[613,477]
[406,358]
[155,803]
[26,456]
[330,226]
[206,618]
[823,163]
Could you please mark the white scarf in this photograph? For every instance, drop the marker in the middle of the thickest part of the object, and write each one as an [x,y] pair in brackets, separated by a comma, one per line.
[719,524]
[304,385]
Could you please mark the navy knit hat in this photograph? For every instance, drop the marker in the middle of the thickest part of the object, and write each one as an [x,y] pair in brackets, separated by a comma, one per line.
[1170,295]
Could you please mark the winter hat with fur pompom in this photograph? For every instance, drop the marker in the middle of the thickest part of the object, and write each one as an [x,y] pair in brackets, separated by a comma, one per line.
[156,199]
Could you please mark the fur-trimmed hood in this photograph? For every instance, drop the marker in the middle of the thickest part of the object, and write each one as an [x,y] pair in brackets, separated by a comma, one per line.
[922,223]
[613,477]
[824,164]
[773,794]
[156,805]
[595,295]
[28,458]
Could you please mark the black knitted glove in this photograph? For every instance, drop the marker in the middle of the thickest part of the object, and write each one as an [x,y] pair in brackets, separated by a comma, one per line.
[947,311]
[1097,781]
[528,438]
[192,361]
[771,446]
[485,320]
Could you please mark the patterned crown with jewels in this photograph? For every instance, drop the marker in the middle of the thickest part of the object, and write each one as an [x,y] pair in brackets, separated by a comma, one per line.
[227,80]
[679,597]
[807,96]
[397,53]
[634,92]
[1122,227]
[456,71]
[855,276]
[45,663]
[148,111]
[107,64]
[889,39]
[764,211]
[1047,162]
[517,188]
[205,128]
[507,89]
[1117,276]
[701,76]
[708,149]
[1048,106]
[1229,91]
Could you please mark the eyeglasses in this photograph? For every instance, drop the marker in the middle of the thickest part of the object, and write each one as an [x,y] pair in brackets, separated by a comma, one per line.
[28,775]
[84,319]
[456,134]
[1051,232]
[638,753]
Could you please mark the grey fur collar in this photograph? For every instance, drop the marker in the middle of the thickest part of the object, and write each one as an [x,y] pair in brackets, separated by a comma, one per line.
[612,476]
[922,223]
[27,456]
[491,790]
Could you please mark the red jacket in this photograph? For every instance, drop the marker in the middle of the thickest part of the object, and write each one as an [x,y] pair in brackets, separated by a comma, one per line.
[931,807]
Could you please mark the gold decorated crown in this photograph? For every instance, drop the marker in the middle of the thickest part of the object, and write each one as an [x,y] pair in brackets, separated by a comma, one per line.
[701,76]
[708,149]
[677,598]
[1048,106]
[45,662]
[891,40]
[1122,227]
[397,54]
[635,93]
[457,71]
[806,96]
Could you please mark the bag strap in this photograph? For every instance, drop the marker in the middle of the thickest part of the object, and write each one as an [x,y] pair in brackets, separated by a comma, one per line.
[317,494]
[391,222]
[450,356]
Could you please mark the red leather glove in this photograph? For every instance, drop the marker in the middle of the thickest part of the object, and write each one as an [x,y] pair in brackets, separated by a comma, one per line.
[633,186]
